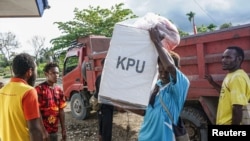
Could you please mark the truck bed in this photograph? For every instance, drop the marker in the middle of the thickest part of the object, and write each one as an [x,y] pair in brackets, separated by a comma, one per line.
[201,54]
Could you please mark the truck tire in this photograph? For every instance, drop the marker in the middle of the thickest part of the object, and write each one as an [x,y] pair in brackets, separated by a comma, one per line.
[78,108]
[196,123]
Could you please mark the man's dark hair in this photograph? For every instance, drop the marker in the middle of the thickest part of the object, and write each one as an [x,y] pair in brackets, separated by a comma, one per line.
[238,50]
[50,65]
[175,57]
[22,63]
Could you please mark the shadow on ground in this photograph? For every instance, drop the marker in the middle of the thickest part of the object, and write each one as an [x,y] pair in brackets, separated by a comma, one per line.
[125,127]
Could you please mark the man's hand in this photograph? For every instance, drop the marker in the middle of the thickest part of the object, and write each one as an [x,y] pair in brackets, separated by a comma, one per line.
[45,136]
[209,78]
[155,35]
[212,82]
[237,114]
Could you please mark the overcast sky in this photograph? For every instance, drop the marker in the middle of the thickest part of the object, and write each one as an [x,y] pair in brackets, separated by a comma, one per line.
[206,12]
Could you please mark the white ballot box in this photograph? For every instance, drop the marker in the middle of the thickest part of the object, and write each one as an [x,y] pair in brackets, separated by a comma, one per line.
[130,68]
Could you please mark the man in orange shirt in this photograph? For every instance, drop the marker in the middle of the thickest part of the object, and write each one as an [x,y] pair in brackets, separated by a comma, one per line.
[19,112]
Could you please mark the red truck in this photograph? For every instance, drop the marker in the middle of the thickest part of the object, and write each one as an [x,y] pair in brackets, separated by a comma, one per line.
[200,55]
[82,65]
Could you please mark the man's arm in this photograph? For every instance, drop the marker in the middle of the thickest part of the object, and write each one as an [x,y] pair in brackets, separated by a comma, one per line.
[35,129]
[165,57]
[62,122]
[33,116]
[214,84]
[237,114]
[45,133]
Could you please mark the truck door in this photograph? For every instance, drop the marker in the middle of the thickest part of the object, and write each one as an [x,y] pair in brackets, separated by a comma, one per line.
[72,80]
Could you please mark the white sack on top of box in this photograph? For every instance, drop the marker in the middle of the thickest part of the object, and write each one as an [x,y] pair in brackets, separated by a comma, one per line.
[130,68]
[167,29]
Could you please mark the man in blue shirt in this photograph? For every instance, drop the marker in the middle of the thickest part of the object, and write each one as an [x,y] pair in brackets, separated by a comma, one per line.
[172,88]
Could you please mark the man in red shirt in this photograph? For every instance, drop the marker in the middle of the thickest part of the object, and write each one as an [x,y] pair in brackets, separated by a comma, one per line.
[52,102]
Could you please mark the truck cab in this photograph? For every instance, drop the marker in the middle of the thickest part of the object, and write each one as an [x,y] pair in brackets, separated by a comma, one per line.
[81,66]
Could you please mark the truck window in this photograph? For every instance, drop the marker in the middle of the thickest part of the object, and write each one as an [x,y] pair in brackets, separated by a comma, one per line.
[70,64]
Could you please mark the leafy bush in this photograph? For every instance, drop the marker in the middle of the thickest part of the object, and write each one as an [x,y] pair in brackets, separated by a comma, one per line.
[7,76]
[40,72]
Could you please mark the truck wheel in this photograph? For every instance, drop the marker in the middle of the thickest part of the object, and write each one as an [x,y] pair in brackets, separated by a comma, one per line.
[78,110]
[196,123]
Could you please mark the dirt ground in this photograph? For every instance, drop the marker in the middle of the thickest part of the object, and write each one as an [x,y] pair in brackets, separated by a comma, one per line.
[125,127]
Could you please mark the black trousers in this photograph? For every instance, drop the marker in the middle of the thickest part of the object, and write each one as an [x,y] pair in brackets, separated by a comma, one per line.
[105,119]
[53,137]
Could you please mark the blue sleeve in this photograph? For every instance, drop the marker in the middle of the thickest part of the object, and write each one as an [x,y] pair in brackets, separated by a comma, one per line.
[180,88]
[175,95]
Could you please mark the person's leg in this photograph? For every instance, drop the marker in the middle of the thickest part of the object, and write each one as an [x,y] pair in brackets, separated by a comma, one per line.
[99,116]
[107,124]
[53,137]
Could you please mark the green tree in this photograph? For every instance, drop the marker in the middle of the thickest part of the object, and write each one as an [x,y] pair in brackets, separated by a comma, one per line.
[211,27]
[202,29]
[8,46]
[94,20]
[3,60]
[38,43]
[191,19]
[47,55]
[226,25]
[182,33]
